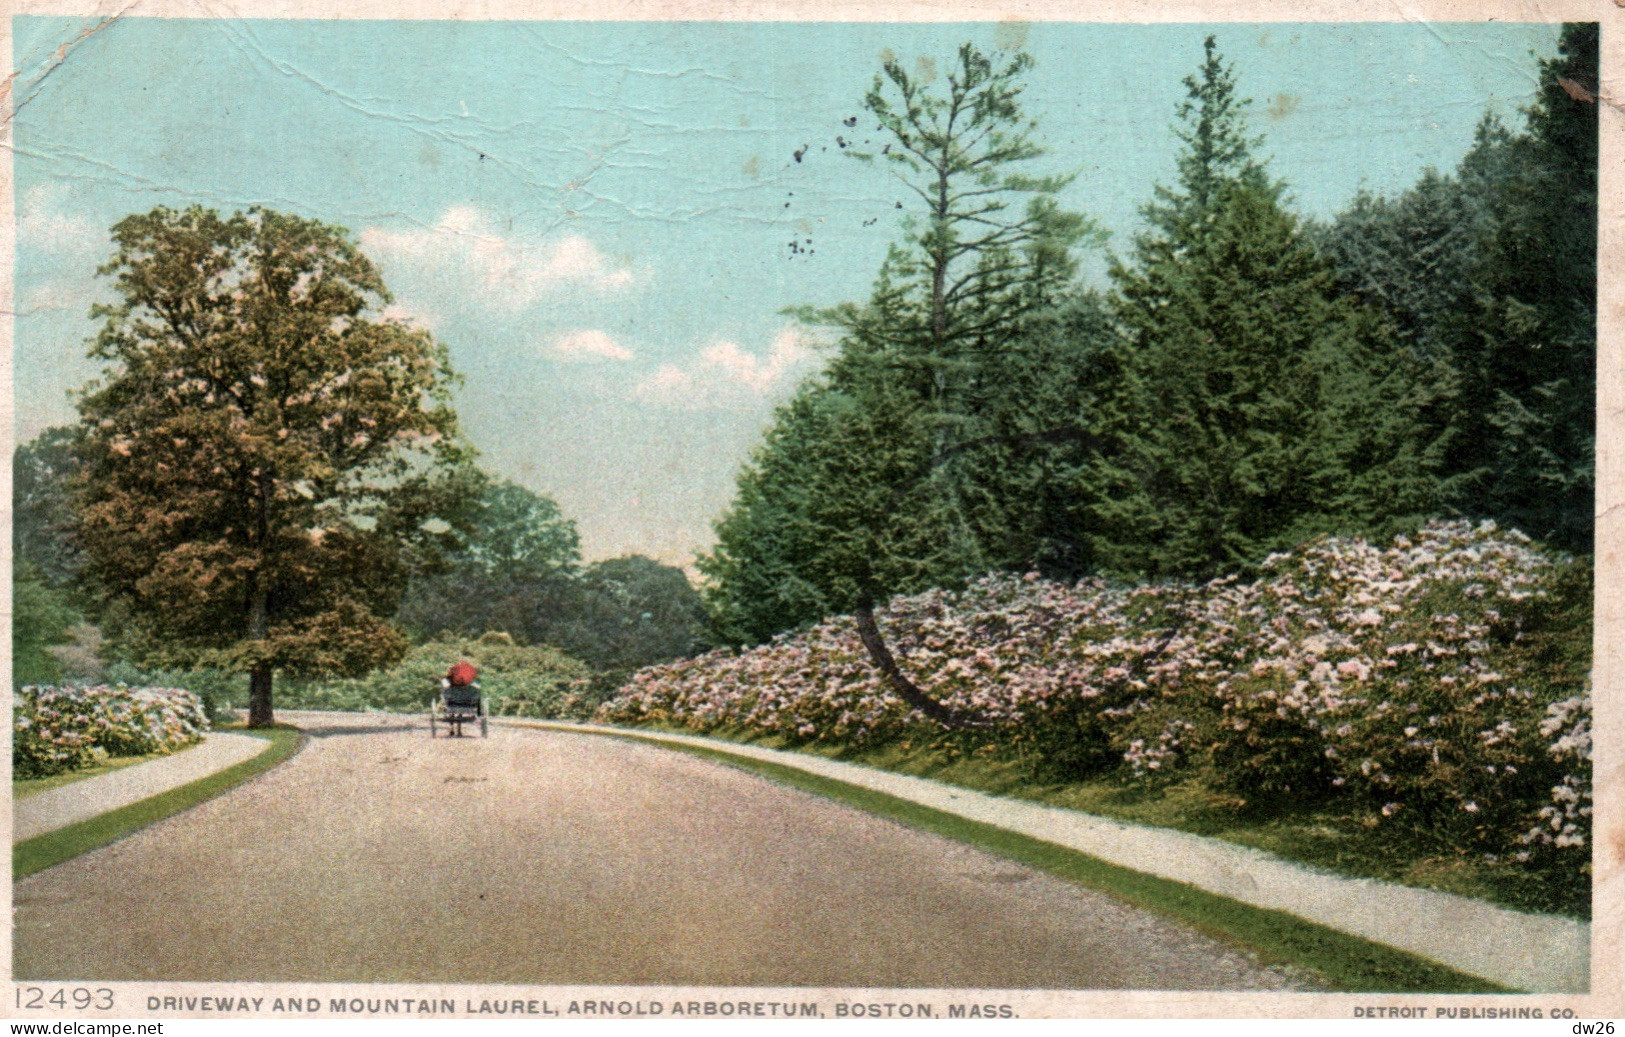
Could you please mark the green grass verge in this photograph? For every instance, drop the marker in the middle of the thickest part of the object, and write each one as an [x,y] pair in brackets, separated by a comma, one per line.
[52,848]
[1336,960]
[22,788]
[1334,836]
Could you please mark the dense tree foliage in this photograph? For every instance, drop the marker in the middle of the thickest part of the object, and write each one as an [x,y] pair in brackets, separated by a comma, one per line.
[1536,323]
[1249,382]
[904,465]
[1256,408]
[266,460]
[631,611]
[513,567]
[835,506]
[985,248]
[757,575]
[519,572]
[519,533]
[43,511]
[985,242]
[41,618]
[1491,270]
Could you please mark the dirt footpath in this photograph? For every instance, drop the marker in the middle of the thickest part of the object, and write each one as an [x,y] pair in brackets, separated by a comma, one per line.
[532,857]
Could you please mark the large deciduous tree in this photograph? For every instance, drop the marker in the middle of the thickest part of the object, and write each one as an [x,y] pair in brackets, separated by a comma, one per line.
[266,457]
[518,571]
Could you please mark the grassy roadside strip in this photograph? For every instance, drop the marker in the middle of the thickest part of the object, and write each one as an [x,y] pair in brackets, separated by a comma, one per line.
[52,848]
[1325,837]
[1339,961]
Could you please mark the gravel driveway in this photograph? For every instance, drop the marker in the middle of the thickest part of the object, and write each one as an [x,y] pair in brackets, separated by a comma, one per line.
[534,857]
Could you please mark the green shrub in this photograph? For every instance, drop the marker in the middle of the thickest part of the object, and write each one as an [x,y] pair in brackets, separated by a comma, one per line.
[218,690]
[1437,683]
[1267,752]
[1070,741]
[518,680]
[40,619]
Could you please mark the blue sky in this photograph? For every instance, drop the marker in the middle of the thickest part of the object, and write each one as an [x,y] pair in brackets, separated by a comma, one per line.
[596,217]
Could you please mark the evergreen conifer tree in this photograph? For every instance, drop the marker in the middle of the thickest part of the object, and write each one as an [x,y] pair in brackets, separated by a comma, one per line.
[835,508]
[1491,271]
[1255,407]
[1532,350]
[902,434]
[986,247]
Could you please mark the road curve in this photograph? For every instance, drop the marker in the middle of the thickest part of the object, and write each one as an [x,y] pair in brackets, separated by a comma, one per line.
[378,855]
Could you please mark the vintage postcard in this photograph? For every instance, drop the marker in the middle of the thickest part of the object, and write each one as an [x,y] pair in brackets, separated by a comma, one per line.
[888,510]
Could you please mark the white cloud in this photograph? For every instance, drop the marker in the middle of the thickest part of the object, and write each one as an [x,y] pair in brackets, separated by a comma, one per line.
[509,270]
[668,382]
[757,373]
[43,223]
[60,247]
[589,344]
[724,374]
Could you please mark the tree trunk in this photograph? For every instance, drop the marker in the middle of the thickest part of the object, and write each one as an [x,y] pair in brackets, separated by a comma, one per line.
[259,676]
[259,696]
[940,258]
[905,688]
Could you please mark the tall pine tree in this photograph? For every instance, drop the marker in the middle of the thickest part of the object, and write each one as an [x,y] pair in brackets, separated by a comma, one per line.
[914,433]
[986,246]
[1256,407]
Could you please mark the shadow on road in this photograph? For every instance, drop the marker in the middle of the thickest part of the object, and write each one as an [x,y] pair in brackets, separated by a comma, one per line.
[367,729]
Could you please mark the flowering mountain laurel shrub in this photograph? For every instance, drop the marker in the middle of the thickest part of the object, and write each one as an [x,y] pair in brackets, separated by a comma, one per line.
[63,729]
[1566,820]
[1442,679]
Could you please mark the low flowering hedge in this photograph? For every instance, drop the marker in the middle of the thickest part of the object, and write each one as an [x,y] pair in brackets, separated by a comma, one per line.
[64,729]
[518,680]
[1442,678]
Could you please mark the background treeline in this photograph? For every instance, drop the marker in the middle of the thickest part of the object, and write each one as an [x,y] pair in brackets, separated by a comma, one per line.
[1248,380]
[552,634]
[1244,381]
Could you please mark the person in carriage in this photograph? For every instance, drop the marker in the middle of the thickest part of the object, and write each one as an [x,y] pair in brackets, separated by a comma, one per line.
[461,699]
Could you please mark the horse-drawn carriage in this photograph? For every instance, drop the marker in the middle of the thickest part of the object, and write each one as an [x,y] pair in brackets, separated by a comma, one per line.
[458,701]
